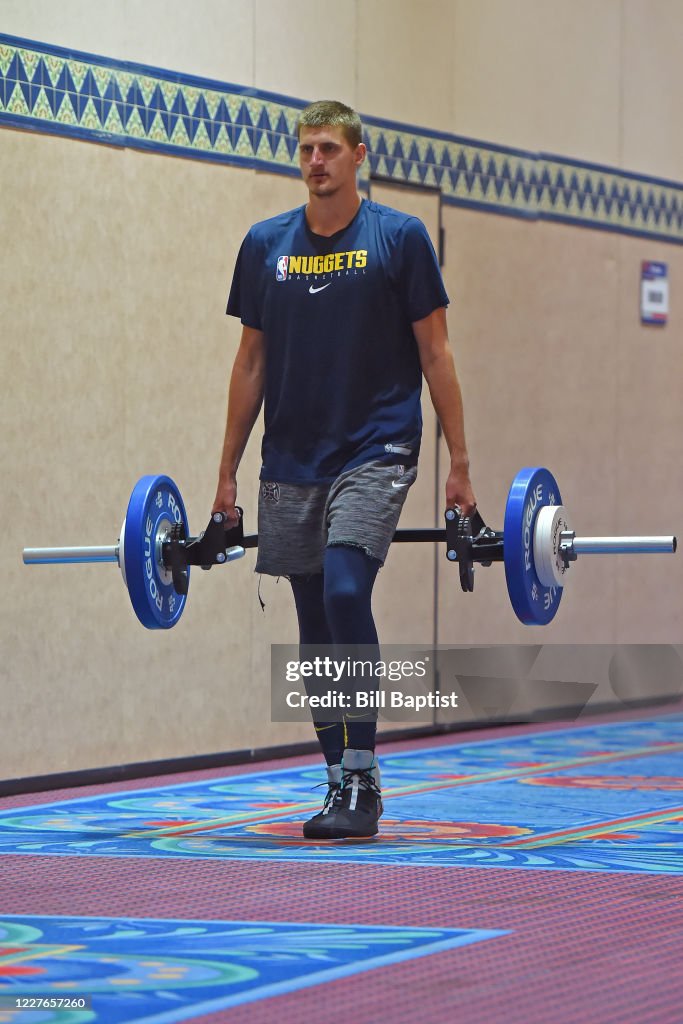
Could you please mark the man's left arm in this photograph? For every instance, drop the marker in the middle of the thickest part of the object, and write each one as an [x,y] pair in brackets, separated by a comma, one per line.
[438,367]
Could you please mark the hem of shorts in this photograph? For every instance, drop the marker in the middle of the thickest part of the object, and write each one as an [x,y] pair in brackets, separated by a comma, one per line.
[359,547]
[286,573]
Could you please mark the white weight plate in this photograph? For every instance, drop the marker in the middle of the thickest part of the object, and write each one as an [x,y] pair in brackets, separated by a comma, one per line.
[551,522]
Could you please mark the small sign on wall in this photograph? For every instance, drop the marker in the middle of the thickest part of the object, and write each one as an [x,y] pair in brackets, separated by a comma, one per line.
[654,292]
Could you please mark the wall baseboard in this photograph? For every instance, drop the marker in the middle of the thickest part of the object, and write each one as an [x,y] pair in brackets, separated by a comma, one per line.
[225,759]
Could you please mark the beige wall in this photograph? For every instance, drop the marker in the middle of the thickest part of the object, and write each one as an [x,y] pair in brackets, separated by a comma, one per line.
[651,87]
[596,81]
[540,76]
[558,371]
[119,355]
[116,351]
[212,38]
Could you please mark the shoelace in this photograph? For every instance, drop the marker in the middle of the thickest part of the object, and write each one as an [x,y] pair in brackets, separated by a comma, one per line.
[333,791]
[366,780]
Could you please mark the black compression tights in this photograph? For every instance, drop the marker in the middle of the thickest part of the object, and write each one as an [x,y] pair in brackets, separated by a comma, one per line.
[334,607]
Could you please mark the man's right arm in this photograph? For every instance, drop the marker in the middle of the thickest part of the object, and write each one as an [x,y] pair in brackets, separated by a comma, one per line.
[244,402]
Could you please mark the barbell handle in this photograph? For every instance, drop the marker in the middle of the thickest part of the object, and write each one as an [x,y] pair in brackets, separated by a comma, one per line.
[76,556]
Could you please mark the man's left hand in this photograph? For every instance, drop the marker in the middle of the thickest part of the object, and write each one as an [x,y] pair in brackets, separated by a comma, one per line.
[459,490]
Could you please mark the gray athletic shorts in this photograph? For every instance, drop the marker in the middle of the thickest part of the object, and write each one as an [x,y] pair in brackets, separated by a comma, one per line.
[361,508]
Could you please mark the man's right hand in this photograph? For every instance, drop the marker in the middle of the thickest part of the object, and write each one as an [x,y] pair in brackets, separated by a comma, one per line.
[225,499]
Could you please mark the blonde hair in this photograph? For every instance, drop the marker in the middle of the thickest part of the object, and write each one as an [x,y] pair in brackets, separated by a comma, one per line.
[332,114]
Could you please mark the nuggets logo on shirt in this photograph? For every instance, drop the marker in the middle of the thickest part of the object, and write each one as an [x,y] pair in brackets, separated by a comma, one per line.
[340,262]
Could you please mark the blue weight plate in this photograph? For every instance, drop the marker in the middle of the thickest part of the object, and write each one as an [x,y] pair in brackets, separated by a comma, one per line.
[154,506]
[532,489]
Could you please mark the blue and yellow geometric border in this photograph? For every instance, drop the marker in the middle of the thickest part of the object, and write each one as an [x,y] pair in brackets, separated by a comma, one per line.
[46,88]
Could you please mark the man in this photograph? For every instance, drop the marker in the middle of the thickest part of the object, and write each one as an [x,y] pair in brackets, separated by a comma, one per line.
[343,309]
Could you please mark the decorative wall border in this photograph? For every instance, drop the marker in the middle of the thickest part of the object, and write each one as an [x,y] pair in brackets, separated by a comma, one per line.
[46,88]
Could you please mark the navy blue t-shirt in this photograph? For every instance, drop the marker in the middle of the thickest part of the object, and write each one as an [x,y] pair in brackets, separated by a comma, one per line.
[343,376]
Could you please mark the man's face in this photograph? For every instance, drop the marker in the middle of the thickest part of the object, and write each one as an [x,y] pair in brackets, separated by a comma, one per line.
[328,162]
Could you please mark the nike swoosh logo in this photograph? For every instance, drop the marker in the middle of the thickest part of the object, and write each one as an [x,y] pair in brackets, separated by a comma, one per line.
[322,288]
[397,484]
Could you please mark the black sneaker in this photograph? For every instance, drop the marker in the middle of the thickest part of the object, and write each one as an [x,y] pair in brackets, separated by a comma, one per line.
[353,811]
[315,827]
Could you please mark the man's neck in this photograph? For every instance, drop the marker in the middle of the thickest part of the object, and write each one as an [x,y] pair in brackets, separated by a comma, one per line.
[327,215]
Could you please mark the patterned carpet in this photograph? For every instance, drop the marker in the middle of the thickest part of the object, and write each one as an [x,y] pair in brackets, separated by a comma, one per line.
[521,875]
